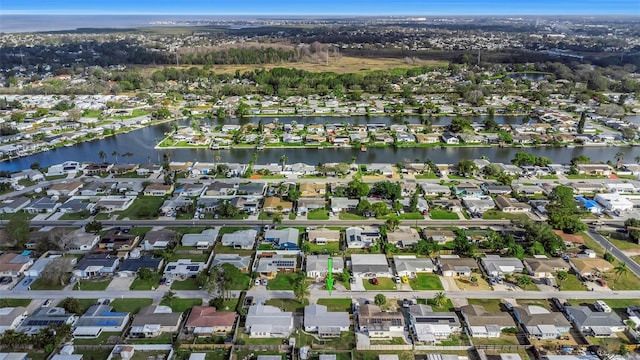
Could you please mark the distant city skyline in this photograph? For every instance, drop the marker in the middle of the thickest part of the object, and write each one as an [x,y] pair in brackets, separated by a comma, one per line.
[327,7]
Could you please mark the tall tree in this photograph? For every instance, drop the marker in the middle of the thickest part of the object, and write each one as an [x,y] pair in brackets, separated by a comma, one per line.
[115,154]
[18,231]
[621,269]
[283,160]
[440,299]
[102,155]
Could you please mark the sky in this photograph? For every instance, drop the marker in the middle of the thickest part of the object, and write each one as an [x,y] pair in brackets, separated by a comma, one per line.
[324,7]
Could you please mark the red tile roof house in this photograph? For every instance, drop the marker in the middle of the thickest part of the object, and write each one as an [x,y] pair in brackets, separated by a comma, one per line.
[206,321]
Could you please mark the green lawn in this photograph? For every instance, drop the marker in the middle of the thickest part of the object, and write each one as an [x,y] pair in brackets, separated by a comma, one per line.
[623,244]
[143,208]
[240,282]
[336,304]
[91,285]
[318,214]
[146,284]
[330,247]
[490,305]
[447,306]
[193,257]
[628,281]
[20,214]
[40,284]
[346,341]
[383,284]
[140,230]
[187,284]
[426,282]
[288,304]
[499,215]
[14,302]
[538,302]
[181,305]
[593,245]
[231,229]
[350,216]
[571,283]
[427,176]
[164,338]
[443,215]
[282,282]
[100,340]
[504,339]
[549,177]
[86,303]
[584,176]
[95,354]
[130,305]
[76,216]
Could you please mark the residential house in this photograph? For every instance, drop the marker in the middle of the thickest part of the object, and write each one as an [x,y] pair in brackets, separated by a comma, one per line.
[510,205]
[64,188]
[359,238]
[218,188]
[410,265]
[450,138]
[378,323]
[11,317]
[323,236]
[241,239]
[158,239]
[589,268]
[614,202]
[510,169]
[207,321]
[40,265]
[570,240]
[114,203]
[326,324]
[595,323]
[453,265]
[131,266]
[427,138]
[467,189]
[118,240]
[190,190]
[404,237]
[252,189]
[14,264]
[13,204]
[154,320]
[93,265]
[308,204]
[541,323]
[43,318]
[269,265]
[317,266]
[439,236]
[97,169]
[283,239]
[177,203]
[430,326]
[587,187]
[594,169]
[381,168]
[370,265]
[75,205]
[483,324]
[340,204]
[478,205]
[435,189]
[541,268]
[497,266]
[274,204]
[250,205]
[528,190]
[158,189]
[492,189]
[42,205]
[312,189]
[264,321]
[204,240]
[240,262]
[79,241]
[183,269]
[99,318]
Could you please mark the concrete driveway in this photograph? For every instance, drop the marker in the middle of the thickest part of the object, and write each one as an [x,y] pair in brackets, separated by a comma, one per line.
[357,286]
[25,283]
[120,283]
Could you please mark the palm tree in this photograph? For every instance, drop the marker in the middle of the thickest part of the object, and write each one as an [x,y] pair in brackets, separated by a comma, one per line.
[392,224]
[621,269]
[524,281]
[301,290]
[283,160]
[561,275]
[102,155]
[440,299]
[637,159]
[115,154]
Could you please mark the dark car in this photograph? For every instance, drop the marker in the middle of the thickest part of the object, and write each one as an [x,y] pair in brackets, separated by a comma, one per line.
[374,281]
[5,280]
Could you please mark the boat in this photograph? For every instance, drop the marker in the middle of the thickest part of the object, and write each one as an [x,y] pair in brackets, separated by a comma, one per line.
[260,147]
[363,148]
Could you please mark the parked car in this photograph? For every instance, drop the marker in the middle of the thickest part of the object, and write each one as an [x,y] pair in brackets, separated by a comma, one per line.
[46,303]
[397,280]
[405,280]
[256,282]
[169,282]
[265,282]
[406,303]
[5,280]
[374,281]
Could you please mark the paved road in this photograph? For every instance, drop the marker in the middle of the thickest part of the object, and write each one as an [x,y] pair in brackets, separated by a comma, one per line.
[632,265]
[316,294]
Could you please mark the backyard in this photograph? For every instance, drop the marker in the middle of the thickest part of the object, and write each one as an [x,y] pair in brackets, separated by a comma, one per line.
[282,282]
[336,304]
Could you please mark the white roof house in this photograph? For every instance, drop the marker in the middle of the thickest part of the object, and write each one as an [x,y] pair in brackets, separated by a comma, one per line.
[409,265]
[614,202]
[242,239]
[325,323]
[264,321]
[370,265]
[358,238]
[496,265]
[183,268]
[203,240]
[318,266]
